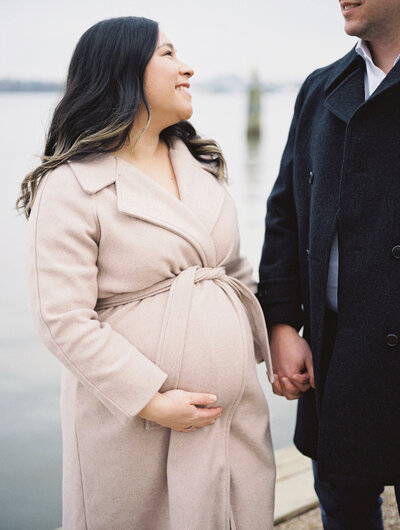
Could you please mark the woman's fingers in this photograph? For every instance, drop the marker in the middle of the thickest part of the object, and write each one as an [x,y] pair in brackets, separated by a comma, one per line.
[203,417]
[192,409]
[276,386]
[301,381]
[198,398]
[192,429]
[289,390]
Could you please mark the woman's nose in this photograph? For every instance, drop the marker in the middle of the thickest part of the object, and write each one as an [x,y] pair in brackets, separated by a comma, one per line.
[186,70]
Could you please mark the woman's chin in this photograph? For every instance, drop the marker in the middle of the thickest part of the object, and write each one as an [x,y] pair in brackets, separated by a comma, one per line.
[182,115]
[186,113]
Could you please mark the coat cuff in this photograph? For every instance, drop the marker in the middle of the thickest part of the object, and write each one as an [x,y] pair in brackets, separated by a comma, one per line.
[280,302]
[283,314]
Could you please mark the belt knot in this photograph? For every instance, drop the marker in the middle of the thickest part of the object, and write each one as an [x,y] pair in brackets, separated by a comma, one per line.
[208,273]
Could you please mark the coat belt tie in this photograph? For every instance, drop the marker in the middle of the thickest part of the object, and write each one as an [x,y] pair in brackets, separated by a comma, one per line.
[176,316]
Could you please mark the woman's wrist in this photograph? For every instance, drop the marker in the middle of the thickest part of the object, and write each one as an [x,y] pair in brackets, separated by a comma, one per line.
[152,410]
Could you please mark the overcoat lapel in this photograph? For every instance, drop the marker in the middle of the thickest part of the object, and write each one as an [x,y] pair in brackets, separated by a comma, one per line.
[345,86]
[391,80]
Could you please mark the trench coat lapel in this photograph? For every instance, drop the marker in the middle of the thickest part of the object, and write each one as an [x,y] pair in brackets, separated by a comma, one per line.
[345,86]
[200,192]
[141,197]
[193,217]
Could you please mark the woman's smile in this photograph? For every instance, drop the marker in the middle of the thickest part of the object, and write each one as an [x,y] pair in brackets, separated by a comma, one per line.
[184,88]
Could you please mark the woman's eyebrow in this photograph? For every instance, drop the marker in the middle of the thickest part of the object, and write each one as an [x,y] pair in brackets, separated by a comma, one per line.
[166,44]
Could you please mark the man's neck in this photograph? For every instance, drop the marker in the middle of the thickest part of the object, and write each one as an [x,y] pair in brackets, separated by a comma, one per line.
[385,52]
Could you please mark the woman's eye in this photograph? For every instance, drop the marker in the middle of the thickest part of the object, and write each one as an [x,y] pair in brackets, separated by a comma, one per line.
[168,53]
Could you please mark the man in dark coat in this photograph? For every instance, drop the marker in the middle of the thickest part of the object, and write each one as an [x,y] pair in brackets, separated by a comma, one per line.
[331,265]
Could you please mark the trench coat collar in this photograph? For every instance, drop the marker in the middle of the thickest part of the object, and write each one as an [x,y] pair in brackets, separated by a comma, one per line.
[193,217]
[345,86]
[95,172]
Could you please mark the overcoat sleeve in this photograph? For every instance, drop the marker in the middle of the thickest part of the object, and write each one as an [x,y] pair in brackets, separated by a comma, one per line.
[279,271]
[61,256]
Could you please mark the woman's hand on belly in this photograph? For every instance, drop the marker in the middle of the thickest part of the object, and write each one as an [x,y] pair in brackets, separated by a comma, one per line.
[178,410]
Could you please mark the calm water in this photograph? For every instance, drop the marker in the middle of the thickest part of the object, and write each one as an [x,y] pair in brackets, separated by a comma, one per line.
[30,437]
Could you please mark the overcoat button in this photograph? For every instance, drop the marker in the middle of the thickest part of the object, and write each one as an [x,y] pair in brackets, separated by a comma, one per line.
[311,178]
[308,253]
[392,340]
[396,252]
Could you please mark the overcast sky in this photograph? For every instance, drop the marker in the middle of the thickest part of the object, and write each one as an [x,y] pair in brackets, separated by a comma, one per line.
[283,39]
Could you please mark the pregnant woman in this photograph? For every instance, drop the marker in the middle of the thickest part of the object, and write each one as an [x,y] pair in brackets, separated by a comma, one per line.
[138,288]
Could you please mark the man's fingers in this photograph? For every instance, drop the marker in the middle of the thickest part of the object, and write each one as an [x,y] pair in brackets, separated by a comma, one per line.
[301,381]
[310,370]
[289,390]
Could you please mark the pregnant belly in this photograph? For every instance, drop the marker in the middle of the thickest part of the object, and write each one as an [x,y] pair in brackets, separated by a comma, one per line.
[211,358]
[215,347]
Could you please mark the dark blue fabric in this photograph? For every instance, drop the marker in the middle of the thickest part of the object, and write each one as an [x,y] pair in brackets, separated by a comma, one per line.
[340,171]
[345,507]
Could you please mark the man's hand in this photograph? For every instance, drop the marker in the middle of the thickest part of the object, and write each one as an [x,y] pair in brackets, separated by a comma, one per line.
[291,361]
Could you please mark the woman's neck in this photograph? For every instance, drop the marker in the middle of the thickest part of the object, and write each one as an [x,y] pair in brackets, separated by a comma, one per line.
[144,143]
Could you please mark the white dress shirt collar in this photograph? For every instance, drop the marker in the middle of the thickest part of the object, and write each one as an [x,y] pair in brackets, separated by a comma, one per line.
[374,75]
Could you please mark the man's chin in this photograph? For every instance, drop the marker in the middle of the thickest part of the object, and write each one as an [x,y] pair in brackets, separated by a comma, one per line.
[354,29]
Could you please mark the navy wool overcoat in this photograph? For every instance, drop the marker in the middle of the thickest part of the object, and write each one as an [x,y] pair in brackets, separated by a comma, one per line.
[340,171]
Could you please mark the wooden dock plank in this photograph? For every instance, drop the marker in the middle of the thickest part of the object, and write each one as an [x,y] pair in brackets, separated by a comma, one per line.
[294,492]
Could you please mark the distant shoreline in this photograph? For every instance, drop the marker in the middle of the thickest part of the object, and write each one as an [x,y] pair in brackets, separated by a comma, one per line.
[9,85]
[226,84]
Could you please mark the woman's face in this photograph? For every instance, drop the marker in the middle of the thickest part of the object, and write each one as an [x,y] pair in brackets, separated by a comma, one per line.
[166,85]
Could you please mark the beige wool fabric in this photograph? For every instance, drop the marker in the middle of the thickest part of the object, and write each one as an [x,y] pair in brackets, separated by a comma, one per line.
[135,292]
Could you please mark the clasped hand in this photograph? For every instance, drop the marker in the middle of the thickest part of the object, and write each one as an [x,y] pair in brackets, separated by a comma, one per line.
[291,361]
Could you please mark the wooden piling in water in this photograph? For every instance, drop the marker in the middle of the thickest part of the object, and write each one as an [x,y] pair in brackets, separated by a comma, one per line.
[254,109]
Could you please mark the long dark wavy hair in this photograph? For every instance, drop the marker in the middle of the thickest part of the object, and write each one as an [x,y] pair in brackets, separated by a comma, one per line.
[103,92]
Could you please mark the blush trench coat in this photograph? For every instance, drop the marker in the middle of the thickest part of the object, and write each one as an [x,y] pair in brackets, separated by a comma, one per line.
[136,292]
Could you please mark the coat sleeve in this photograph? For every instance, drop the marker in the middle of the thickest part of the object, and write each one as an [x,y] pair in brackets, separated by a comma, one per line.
[61,258]
[238,266]
[279,272]
[241,269]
